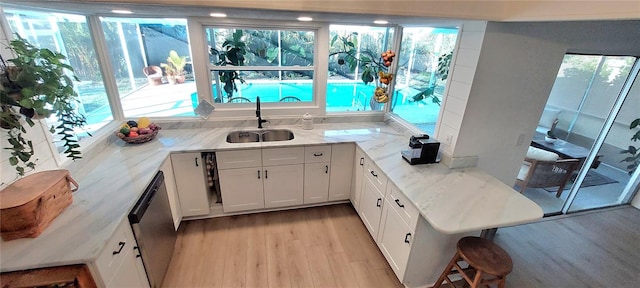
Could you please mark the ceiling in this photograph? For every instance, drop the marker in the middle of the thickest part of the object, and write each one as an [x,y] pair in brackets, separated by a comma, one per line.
[180,11]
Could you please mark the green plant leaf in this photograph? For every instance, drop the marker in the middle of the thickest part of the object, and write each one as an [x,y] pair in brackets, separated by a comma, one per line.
[634,123]
[13,161]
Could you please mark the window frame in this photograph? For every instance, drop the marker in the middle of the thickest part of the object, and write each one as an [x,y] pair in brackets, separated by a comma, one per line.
[203,68]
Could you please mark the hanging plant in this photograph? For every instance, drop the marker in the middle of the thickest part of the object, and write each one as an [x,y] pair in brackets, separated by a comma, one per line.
[35,85]
[233,53]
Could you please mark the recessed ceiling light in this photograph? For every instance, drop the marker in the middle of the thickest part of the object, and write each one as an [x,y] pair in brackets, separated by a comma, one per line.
[122,11]
[218,15]
[381,22]
[305,19]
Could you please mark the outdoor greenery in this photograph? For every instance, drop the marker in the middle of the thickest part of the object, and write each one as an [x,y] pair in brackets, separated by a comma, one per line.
[37,84]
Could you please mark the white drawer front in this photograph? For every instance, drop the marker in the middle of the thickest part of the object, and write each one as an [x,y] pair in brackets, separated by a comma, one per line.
[407,211]
[110,258]
[317,154]
[282,156]
[377,177]
[239,159]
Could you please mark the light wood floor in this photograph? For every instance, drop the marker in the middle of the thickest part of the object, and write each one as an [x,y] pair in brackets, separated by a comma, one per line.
[596,249]
[314,247]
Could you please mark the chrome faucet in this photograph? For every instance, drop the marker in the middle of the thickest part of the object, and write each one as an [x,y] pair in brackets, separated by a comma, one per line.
[260,120]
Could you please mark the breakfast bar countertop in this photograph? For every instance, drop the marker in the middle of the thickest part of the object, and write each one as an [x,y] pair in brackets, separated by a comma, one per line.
[451,200]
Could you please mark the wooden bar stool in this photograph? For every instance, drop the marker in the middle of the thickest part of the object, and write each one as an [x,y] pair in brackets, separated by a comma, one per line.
[484,258]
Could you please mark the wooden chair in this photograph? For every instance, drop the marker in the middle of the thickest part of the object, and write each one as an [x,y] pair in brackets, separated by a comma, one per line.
[154,74]
[290,99]
[541,174]
[238,100]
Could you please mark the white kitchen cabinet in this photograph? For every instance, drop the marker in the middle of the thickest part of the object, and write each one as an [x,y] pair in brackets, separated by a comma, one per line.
[188,169]
[117,265]
[241,189]
[283,185]
[341,171]
[371,207]
[395,239]
[316,182]
[358,178]
[172,192]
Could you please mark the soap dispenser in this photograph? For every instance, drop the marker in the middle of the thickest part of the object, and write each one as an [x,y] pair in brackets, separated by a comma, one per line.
[307,121]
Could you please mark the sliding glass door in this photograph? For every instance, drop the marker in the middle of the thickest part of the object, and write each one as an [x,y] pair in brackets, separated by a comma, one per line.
[589,110]
[609,177]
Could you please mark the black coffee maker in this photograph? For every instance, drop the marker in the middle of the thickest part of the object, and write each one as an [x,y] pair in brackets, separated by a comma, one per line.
[422,150]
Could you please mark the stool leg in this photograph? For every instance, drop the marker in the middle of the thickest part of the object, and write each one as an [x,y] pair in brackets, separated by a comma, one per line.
[477,279]
[446,271]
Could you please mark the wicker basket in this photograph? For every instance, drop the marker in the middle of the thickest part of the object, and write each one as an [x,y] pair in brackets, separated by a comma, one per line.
[141,138]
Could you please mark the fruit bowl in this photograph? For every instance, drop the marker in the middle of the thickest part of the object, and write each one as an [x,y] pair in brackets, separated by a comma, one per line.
[137,132]
[142,138]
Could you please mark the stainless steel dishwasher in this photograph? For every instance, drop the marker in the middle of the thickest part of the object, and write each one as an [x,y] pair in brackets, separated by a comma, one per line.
[153,228]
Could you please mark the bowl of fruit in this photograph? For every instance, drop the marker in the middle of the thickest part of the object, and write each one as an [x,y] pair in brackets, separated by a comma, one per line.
[137,132]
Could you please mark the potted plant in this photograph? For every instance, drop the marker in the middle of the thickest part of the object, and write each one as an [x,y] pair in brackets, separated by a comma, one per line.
[634,152]
[233,54]
[35,84]
[174,68]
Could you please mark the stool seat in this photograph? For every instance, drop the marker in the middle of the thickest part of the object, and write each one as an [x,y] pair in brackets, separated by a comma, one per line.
[484,259]
[484,255]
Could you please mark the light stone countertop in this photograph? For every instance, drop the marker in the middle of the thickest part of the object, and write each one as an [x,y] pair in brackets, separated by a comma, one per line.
[451,200]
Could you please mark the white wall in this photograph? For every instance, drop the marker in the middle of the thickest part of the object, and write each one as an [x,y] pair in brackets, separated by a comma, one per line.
[38,134]
[516,69]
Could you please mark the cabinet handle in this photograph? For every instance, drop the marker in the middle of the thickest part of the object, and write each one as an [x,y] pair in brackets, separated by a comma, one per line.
[361,161]
[137,253]
[326,169]
[120,249]
[379,202]
[266,176]
[318,154]
[374,174]
[258,174]
[407,238]
[398,202]
[196,161]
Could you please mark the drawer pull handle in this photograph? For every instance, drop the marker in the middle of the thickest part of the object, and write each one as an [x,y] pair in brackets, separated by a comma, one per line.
[398,202]
[361,161]
[138,253]
[266,176]
[326,169]
[374,174]
[407,238]
[258,174]
[119,249]
[196,161]
[379,202]
[318,154]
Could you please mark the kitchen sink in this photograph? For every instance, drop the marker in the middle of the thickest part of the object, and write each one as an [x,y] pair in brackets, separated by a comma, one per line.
[267,135]
[277,135]
[243,137]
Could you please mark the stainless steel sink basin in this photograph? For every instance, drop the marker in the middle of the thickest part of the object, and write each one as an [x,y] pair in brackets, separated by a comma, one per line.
[277,135]
[266,135]
[243,137]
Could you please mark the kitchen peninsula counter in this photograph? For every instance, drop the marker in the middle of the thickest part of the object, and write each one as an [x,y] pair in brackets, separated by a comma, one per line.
[451,200]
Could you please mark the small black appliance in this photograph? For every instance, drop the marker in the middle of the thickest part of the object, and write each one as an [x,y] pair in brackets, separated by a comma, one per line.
[422,150]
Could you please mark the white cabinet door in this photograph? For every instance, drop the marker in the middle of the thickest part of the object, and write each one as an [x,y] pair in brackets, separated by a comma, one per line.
[341,171]
[358,178]
[191,184]
[316,182]
[241,189]
[283,185]
[371,207]
[127,275]
[172,192]
[395,240]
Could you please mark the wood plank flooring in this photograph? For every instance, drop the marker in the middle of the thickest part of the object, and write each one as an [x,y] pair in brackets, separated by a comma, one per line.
[314,247]
[593,249]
